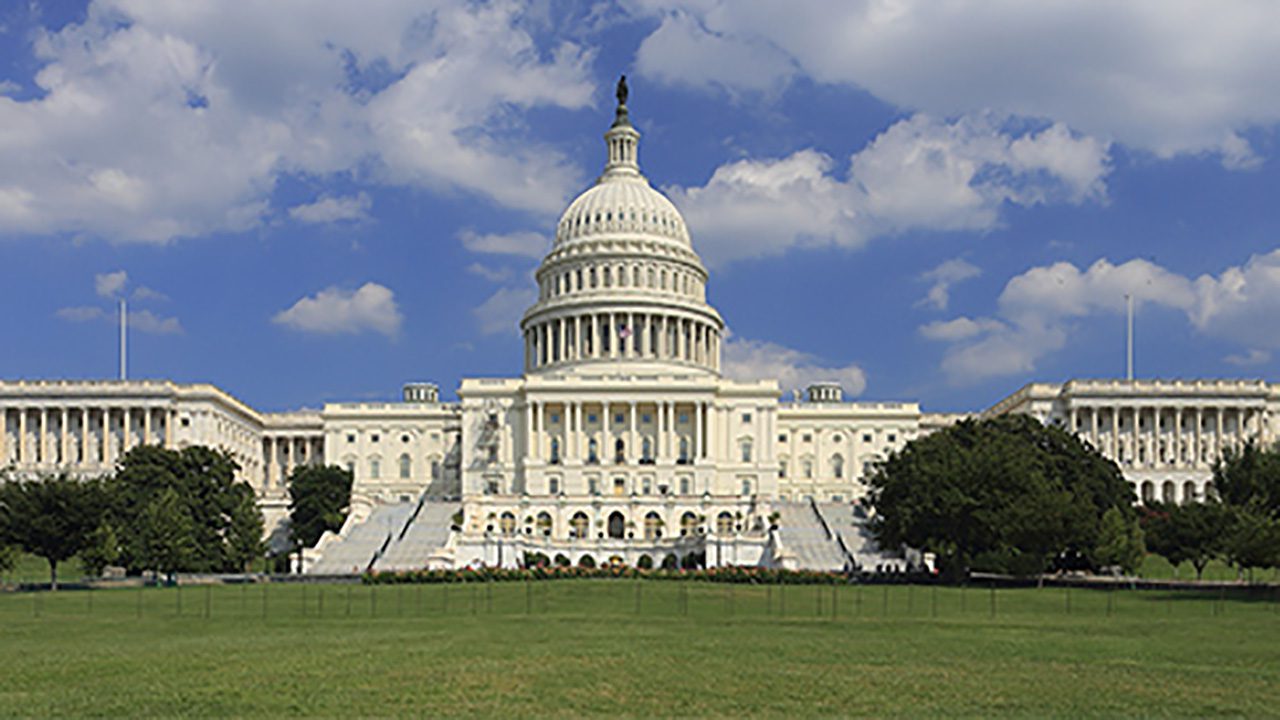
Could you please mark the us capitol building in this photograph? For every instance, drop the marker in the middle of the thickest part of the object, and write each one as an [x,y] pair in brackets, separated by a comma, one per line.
[621,439]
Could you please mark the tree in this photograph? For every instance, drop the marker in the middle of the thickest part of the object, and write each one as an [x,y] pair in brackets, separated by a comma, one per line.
[319,499]
[158,492]
[1248,483]
[1006,494]
[164,533]
[102,550]
[52,517]
[1193,532]
[1120,542]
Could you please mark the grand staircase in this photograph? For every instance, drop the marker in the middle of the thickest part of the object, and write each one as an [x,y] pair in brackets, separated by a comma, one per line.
[805,540]
[855,536]
[424,533]
[355,552]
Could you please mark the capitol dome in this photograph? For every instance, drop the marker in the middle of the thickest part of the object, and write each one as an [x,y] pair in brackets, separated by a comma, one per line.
[622,283]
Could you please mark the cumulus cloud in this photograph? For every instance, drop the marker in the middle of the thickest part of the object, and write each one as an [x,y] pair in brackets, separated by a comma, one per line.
[492,274]
[526,244]
[1038,309]
[336,311]
[328,209]
[744,359]
[942,277]
[1169,77]
[156,121]
[921,173]
[501,312]
[110,284]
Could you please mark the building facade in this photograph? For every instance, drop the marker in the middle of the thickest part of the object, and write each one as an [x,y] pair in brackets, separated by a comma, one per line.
[621,439]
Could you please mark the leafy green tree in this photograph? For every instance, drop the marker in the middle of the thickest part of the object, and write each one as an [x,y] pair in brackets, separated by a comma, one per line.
[244,535]
[52,517]
[1006,494]
[1192,532]
[1120,542]
[1247,481]
[8,557]
[164,538]
[102,550]
[319,499]
[212,508]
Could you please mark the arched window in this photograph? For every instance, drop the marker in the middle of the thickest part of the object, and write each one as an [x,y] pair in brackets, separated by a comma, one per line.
[435,469]
[724,523]
[593,451]
[544,523]
[688,523]
[1168,492]
[683,459]
[1188,492]
[1148,492]
[646,450]
[684,486]
[651,277]
[746,487]
[508,523]
[635,276]
[806,468]
[744,446]
[652,526]
[782,468]
[619,451]
[593,277]
[406,467]
[555,451]
[375,468]
[617,525]
[581,524]
[837,466]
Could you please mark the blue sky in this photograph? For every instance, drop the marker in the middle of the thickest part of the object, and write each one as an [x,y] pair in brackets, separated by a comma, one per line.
[934,201]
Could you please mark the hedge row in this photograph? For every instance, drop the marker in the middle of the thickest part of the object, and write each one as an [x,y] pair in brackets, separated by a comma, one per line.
[744,575]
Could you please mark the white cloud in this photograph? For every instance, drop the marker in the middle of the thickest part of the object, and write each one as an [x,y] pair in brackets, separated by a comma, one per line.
[163,120]
[942,277]
[335,311]
[1037,311]
[109,285]
[525,244]
[139,320]
[744,359]
[919,174]
[81,313]
[492,274]
[961,328]
[148,322]
[143,293]
[1166,76]
[501,312]
[329,209]
[1253,357]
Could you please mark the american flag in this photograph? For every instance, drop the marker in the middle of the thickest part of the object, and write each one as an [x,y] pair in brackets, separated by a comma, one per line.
[624,332]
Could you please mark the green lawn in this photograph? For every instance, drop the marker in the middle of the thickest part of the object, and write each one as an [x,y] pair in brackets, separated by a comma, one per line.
[622,647]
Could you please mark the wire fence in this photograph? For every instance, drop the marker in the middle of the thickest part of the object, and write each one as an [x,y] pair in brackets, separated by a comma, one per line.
[304,602]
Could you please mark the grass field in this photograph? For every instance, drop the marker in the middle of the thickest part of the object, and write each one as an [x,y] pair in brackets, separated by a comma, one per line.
[636,648]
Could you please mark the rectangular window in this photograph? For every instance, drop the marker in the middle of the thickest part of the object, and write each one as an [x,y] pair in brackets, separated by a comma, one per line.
[351,438]
[683,419]
[553,486]
[646,418]
[746,418]
[807,437]
[373,438]
[782,438]
[591,418]
[866,438]
[893,438]
[555,418]
[593,486]
[619,419]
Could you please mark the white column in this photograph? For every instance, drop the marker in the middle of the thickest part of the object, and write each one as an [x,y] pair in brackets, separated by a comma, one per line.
[84,437]
[21,456]
[606,441]
[42,455]
[1093,426]
[697,430]
[1199,439]
[169,418]
[1177,436]
[632,448]
[4,436]
[1217,437]
[106,436]
[146,426]
[64,438]
[1157,457]
[713,425]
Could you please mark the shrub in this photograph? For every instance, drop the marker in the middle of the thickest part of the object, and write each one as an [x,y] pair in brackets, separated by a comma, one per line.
[645,562]
[586,561]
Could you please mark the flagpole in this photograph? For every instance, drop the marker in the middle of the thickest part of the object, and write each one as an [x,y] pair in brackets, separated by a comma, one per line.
[1129,345]
[124,338]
